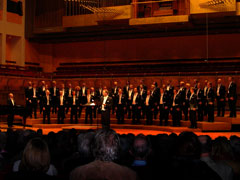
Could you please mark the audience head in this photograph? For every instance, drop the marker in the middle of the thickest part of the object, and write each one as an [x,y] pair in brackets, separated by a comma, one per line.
[221,149]
[36,156]
[84,144]
[188,145]
[106,145]
[141,148]
[3,141]
[206,144]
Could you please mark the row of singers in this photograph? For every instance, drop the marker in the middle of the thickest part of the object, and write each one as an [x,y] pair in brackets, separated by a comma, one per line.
[135,105]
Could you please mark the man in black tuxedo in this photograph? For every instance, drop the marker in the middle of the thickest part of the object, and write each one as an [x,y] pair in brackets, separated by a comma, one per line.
[114,94]
[106,105]
[143,93]
[34,100]
[149,107]
[220,92]
[28,91]
[200,102]
[155,94]
[195,85]
[120,106]
[61,108]
[142,85]
[47,104]
[79,97]
[186,101]
[95,99]
[54,95]
[41,93]
[11,107]
[126,88]
[68,96]
[176,107]
[193,108]
[169,88]
[163,106]
[136,107]
[74,106]
[210,102]
[89,109]
[129,101]
[182,93]
[205,106]
[232,97]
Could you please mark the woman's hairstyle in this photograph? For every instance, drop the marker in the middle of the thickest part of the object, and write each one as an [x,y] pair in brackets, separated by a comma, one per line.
[36,156]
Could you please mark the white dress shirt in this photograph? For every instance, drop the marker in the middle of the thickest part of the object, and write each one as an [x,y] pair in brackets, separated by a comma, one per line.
[104,102]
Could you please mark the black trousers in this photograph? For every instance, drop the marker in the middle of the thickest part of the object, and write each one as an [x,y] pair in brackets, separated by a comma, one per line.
[34,107]
[176,114]
[135,114]
[210,112]
[46,112]
[205,107]
[220,107]
[232,107]
[185,110]
[74,114]
[120,114]
[88,114]
[80,111]
[163,114]
[61,115]
[200,112]
[54,104]
[105,119]
[10,119]
[155,112]
[149,115]
[192,115]
[129,110]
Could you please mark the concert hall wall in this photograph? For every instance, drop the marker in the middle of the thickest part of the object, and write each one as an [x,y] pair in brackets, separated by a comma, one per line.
[163,48]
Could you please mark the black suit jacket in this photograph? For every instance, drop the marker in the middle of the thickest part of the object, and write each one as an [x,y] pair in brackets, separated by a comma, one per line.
[137,101]
[123,100]
[64,101]
[177,100]
[108,104]
[45,101]
[150,102]
[52,91]
[210,95]
[193,101]
[222,92]
[232,90]
[11,106]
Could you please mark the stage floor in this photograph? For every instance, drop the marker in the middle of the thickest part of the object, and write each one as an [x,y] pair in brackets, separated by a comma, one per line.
[221,127]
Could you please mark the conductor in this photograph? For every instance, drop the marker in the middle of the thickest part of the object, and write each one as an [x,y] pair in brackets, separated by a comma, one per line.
[106,105]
